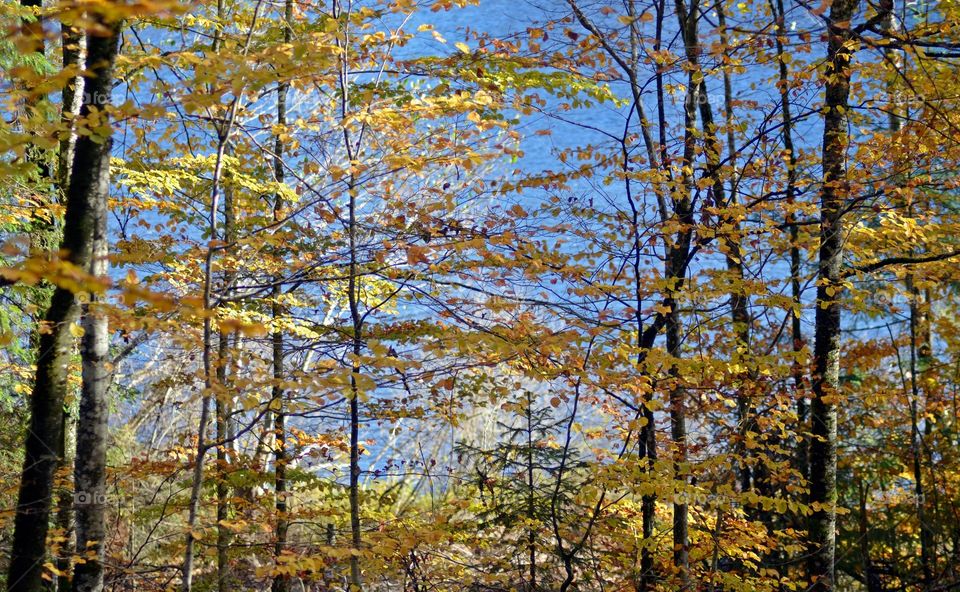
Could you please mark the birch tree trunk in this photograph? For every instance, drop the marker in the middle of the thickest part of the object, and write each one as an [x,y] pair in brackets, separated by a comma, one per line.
[90,463]
[86,202]
[73,50]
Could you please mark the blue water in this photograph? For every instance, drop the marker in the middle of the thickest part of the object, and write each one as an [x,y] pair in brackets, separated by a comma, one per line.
[577,128]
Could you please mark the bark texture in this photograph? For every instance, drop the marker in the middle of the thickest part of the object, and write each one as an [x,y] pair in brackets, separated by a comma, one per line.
[822,524]
[90,464]
[86,196]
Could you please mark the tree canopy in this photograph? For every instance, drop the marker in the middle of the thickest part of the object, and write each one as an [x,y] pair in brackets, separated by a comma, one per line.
[477,295]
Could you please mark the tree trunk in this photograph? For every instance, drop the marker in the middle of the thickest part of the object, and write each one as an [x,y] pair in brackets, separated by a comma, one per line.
[739,311]
[678,435]
[223,491]
[224,412]
[73,44]
[675,269]
[356,319]
[90,464]
[869,576]
[793,231]
[64,517]
[531,501]
[916,444]
[677,255]
[277,404]
[353,289]
[73,50]
[823,409]
[280,456]
[209,373]
[86,197]
[223,408]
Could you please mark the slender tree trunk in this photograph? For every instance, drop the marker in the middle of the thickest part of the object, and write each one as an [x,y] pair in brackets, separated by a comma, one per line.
[223,408]
[656,154]
[647,453]
[676,264]
[869,576]
[826,374]
[356,319]
[916,441]
[924,354]
[678,435]
[531,507]
[224,412]
[223,461]
[64,517]
[796,337]
[209,373]
[86,195]
[739,302]
[73,52]
[280,452]
[73,49]
[355,583]
[648,433]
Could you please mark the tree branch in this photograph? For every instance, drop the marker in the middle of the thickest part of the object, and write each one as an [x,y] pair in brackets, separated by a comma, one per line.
[901,261]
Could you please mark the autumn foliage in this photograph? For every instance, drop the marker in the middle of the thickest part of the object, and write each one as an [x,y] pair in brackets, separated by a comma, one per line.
[476,295]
